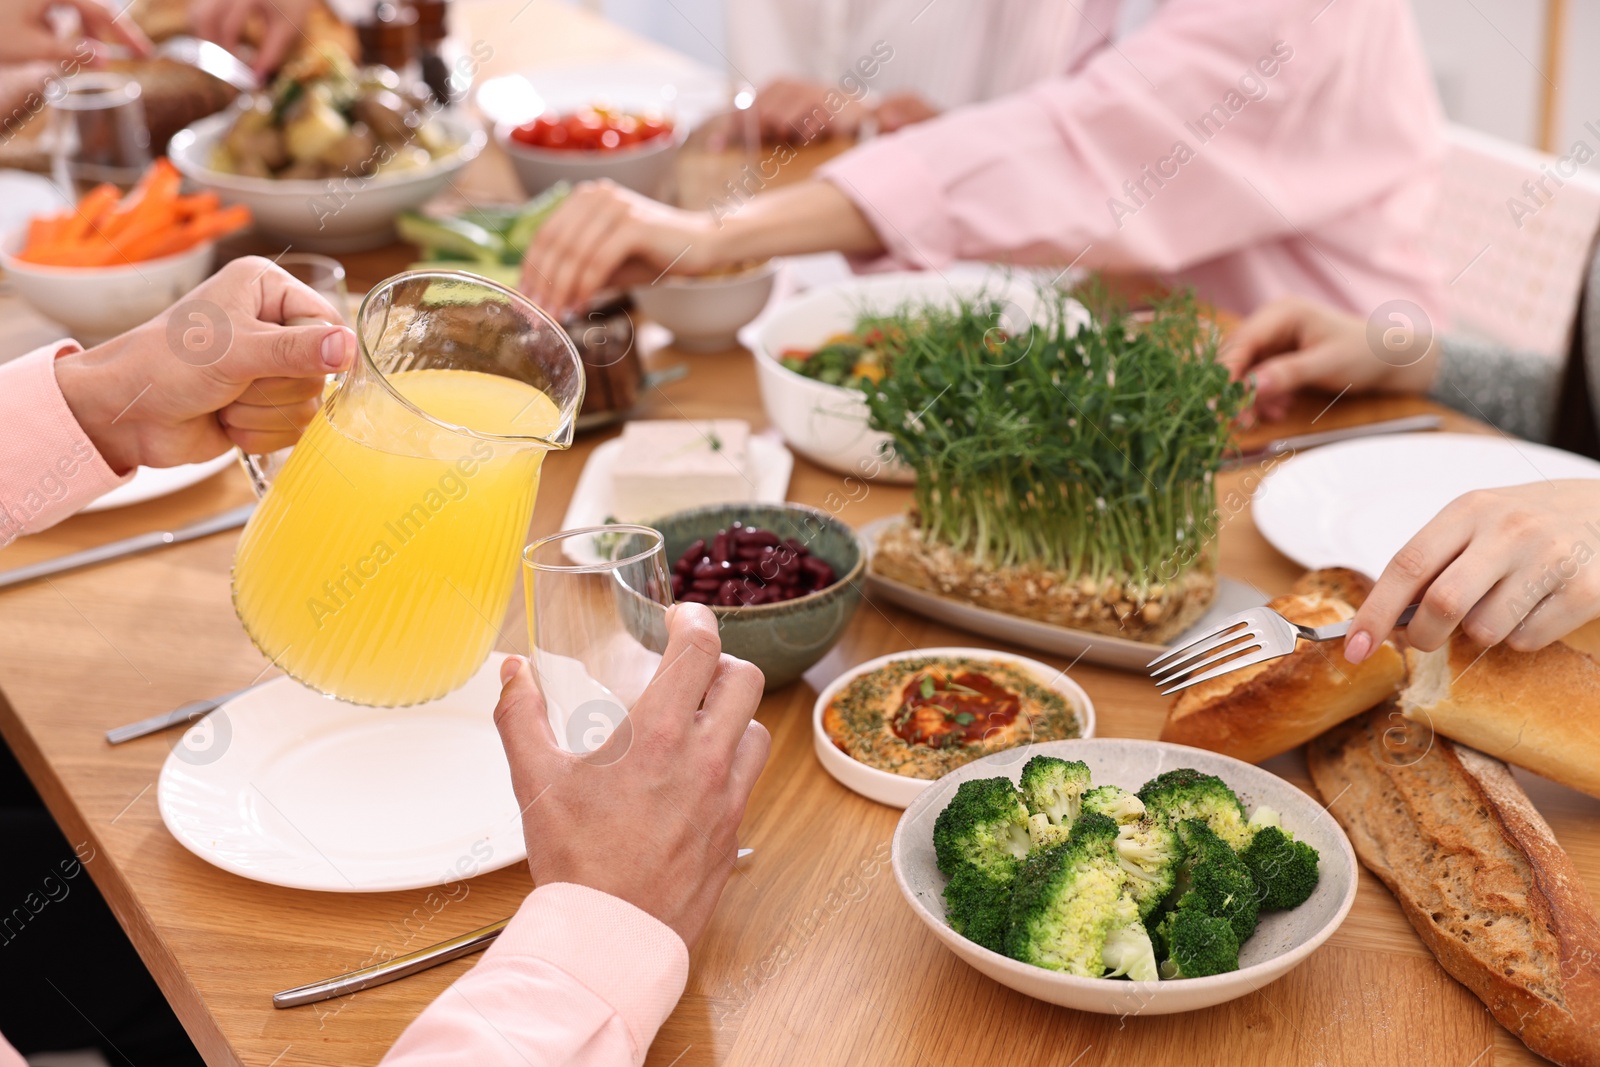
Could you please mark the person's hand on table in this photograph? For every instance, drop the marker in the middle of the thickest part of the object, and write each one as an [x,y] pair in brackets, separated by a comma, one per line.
[796,109]
[223,21]
[902,110]
[650,817]
[1293,344]
[30,34]
[184,387]
[1513,565]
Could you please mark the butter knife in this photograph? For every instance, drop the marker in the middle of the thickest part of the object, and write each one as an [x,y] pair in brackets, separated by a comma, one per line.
[1284,446]
[228,520]
[401,966]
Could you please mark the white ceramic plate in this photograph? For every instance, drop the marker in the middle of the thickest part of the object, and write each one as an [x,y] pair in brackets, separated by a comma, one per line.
[150,483]
[1282,941]
[687,91]
[1107,651]
[593,503]
[1357,503]
[285,786]
[896,790]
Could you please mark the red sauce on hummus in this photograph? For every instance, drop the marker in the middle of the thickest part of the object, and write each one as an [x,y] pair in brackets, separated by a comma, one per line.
[943,711]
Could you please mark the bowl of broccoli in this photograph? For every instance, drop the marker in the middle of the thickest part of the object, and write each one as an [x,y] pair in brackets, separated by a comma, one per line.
[1124,877]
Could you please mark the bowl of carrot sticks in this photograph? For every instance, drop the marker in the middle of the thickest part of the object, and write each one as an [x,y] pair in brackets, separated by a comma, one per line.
[117,259]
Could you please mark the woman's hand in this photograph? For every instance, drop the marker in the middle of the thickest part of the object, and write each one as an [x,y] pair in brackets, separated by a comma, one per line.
[215,370]
[795,110]
[1293,344]
[223,21]
[1519,565]
[902,110]
[604,233]
[652,816]
[603,226]
[30,35]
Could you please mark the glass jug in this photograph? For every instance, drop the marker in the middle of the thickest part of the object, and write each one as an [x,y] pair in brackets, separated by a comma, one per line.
[379,563]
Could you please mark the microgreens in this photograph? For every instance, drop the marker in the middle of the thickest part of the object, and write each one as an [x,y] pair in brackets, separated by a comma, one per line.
[1090,451]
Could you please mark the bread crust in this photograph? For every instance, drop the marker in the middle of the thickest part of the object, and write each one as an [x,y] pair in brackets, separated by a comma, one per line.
[1539,710]
[1257,712]
[1339,583]
[1476,871]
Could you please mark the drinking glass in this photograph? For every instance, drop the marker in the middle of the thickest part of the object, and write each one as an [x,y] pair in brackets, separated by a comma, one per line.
[597,606]
[99,129]
[322,274]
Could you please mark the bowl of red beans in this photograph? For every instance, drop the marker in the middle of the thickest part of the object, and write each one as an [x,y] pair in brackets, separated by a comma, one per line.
[636,149]
[783,580]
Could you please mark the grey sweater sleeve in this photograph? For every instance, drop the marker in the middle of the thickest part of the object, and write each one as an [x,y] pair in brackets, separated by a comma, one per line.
[1513,390]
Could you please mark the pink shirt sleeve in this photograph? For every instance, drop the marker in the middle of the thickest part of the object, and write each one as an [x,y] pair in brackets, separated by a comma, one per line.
[579,977]
[10,1057]
[48,467]
[1257,147]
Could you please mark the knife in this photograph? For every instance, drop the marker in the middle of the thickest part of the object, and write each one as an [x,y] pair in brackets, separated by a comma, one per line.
[228,520]
[1287,445]
[176,717]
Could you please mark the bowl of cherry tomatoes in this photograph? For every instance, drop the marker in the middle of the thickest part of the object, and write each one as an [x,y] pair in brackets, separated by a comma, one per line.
[633,149]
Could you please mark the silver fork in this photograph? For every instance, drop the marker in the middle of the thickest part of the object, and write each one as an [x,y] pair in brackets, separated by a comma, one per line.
[1239,641]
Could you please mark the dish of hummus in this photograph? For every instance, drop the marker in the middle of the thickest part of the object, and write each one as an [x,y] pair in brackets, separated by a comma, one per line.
[924,716]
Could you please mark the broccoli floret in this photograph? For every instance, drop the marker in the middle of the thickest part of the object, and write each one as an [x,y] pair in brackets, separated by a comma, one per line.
[1067,901]
[1054,787]
[1128,951]
[984,828]
[1150,852]
[1187,794]
[1213,879]
[1285,870]
[978,907]
[1195,944]
[1114,801]
[1043,833]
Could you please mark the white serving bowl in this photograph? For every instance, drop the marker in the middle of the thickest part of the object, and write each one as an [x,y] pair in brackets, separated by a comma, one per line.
[643,168]
[705,314]
[1281,942]
[333,214]
[897,790]
[96,303]
[828,423]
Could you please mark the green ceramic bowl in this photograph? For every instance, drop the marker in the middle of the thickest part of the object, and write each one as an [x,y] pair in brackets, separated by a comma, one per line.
[782,639]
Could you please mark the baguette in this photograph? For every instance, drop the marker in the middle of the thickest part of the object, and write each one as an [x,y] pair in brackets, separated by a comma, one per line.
[1340,583]
[1539,710]
[1476,871]
[1257,712]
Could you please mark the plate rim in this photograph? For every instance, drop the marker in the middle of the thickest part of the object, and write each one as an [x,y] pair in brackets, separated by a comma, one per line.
[204,471]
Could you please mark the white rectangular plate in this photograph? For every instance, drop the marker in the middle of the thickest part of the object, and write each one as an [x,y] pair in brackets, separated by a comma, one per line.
[1081,645]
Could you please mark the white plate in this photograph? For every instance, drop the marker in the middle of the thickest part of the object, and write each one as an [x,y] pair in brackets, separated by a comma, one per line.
[1282,941]
[687,91]
[1357,503]
[285,786]
[897,790]
[1102,649]
[148,483]
[594,504]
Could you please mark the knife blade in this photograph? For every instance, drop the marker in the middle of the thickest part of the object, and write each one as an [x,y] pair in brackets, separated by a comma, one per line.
[1301,442]
[176,717]
[128,546]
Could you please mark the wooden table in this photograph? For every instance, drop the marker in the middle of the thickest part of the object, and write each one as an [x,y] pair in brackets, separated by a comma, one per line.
[812,956]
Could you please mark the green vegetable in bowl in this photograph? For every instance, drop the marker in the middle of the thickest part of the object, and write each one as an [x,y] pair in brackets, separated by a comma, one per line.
[1100,882]
[1187,794]
[1071,911]
[486,241]
[1285,870]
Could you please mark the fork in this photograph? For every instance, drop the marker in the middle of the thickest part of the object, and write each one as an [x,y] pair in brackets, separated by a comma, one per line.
[1239,641]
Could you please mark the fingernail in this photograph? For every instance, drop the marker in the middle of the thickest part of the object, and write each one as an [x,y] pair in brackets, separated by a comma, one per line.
[1356,646]
[509,668]
[336,348]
